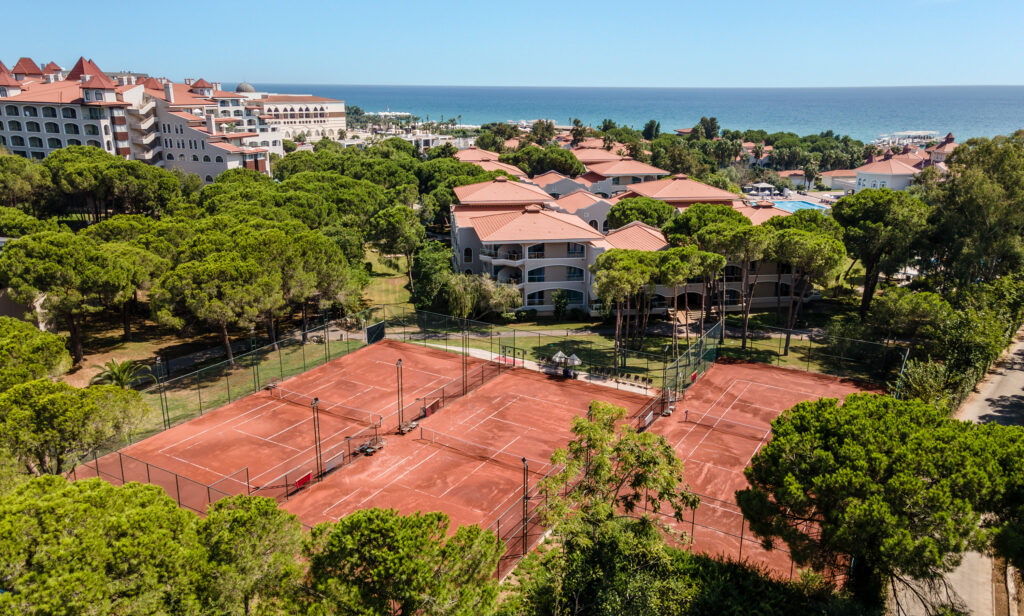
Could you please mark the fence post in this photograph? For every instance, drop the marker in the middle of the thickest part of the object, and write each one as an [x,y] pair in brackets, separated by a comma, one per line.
[199,389]
[227,382]
[280,362]
[743,522]
[177,489]
[808,352]
[120,460]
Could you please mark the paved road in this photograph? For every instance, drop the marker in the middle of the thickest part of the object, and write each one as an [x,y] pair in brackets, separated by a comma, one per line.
[1000,397]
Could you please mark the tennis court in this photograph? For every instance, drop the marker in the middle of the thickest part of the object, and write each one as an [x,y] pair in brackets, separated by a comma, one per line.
[270,434]
[467,459]
[717,427]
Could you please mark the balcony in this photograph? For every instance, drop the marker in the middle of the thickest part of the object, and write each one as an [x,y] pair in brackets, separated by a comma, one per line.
[501,256]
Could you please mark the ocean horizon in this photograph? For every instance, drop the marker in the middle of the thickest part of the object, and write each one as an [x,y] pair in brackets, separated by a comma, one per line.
[863,113]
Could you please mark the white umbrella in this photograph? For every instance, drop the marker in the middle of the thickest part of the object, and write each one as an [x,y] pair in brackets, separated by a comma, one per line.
[559,357]
[574,361]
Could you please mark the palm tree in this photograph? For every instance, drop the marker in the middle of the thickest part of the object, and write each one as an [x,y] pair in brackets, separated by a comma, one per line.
[123,374]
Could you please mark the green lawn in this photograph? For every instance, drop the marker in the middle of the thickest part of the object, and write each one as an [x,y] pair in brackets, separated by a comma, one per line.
[388,284]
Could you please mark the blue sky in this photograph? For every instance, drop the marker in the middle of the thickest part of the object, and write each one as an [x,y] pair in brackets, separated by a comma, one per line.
[713,43]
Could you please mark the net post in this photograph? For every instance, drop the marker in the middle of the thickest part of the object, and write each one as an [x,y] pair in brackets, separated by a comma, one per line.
[743,522]
[177,489]
[248,486]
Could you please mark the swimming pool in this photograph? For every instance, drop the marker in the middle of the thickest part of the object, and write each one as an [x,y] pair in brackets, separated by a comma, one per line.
[792,206]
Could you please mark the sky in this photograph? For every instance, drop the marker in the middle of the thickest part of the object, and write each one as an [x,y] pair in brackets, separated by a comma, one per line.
[642,43]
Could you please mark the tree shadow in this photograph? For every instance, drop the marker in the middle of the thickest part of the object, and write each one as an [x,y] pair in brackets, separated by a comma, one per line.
[1005,410]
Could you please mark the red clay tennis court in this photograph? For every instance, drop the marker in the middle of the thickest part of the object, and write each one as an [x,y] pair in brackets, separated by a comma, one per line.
[267,438]
[466,459]
[717,427]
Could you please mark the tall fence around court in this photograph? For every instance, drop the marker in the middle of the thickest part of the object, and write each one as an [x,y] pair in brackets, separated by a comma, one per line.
[509,344]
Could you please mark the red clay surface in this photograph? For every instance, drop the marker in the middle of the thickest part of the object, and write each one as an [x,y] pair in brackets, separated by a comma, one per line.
[521,413]
[751,395]
[272,437]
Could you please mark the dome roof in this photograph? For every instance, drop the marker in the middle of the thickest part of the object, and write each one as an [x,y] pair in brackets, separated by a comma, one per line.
[245,87]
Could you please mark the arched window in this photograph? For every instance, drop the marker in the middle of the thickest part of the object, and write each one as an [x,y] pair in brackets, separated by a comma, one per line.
[68,113]
[74,142]
[92,129]
[170,156]
[576,297]
[604,226]
[11,110]
[14,125]
[218,159]
[3,140]
[49,112]
[535,299]
[535,275]
[94,143]
[209,179]
[732,297]
[238,113]
[733,273]
[106,130]
[573,273]
[469,272]
[108,145]
[71,129]
[35,142]
[31,112]
[206,159]
[195,158]
[593,223]
[467,255]
[53,142]
[32,127]
[52,127]
[17,140]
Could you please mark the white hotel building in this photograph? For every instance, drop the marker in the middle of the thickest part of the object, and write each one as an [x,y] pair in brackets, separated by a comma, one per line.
[194,126]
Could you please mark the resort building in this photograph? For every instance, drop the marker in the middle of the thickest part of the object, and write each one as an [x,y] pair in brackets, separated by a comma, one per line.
[937,153]
[518,234]
[493,165]
[193,126]
[885,172]
[795,176]
[474,154]
[839,179]
[622,172]
[294,114]
[680,191]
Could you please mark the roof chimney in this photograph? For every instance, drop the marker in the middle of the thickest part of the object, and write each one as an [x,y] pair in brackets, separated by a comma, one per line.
[86,77]
[188,81]
[169,92]
[501,178]
[211,124]
[216,86]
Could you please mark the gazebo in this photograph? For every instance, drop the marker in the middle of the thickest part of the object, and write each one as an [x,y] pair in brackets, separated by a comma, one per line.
[763,187]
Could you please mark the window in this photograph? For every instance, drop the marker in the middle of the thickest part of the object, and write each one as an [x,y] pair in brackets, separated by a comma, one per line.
[68,113]
[17,140]
[575,250]
[108,145]
[92,129]
[732,297]
[593,223]
[535,275]
[573,273]
[3,140]
[195,158]
[32,127]
[467,255]
[604,227]
[35,142]
[206,159]
[535,299]
[170,156]
[88,94]
[576,297]
[209,179]
[94,143]
[106,130]
[31,112]
[71,129]
[95,114]
[49,112]
[219,159]
[733,273]
[38,155]
[11,110]
[52,127]
[535,252]
[14,125]
[74,142]
[53,142]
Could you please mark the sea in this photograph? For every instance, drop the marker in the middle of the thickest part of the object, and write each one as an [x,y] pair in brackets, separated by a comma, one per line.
[862,113]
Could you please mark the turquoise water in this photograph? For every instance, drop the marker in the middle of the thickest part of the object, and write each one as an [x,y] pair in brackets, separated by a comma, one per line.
[792,206]
[862,113]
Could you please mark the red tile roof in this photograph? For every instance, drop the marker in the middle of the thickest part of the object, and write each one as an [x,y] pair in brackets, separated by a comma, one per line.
[500,191]
[96,77]
[296,98]
[26,66]
[474,154]
[51,68]
[840,173]
[788,173]
[548,177]
[201,83]
[679,190]
[493,165]
[3,68]
[758,215]
[636,236]
[151,83]
[6,79]
[889,166]
[589,156]
[533,223]
[624,166]
[577,200]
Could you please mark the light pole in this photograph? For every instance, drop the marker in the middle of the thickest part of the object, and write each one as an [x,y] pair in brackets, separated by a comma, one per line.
[316,437]
[398,380]
[526,471]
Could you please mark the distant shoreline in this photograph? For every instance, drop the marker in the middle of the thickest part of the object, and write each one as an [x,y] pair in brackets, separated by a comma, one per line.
[862,113]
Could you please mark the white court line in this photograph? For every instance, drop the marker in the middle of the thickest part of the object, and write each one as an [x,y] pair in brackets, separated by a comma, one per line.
[386,485]
[479,466]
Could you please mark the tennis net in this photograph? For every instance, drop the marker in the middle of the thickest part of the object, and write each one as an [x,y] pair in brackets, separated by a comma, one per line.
[483,452]
[756,433]
[361,416]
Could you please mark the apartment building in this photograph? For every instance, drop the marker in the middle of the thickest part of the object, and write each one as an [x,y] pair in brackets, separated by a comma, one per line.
[194,126]
[298,114]
[519,235]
